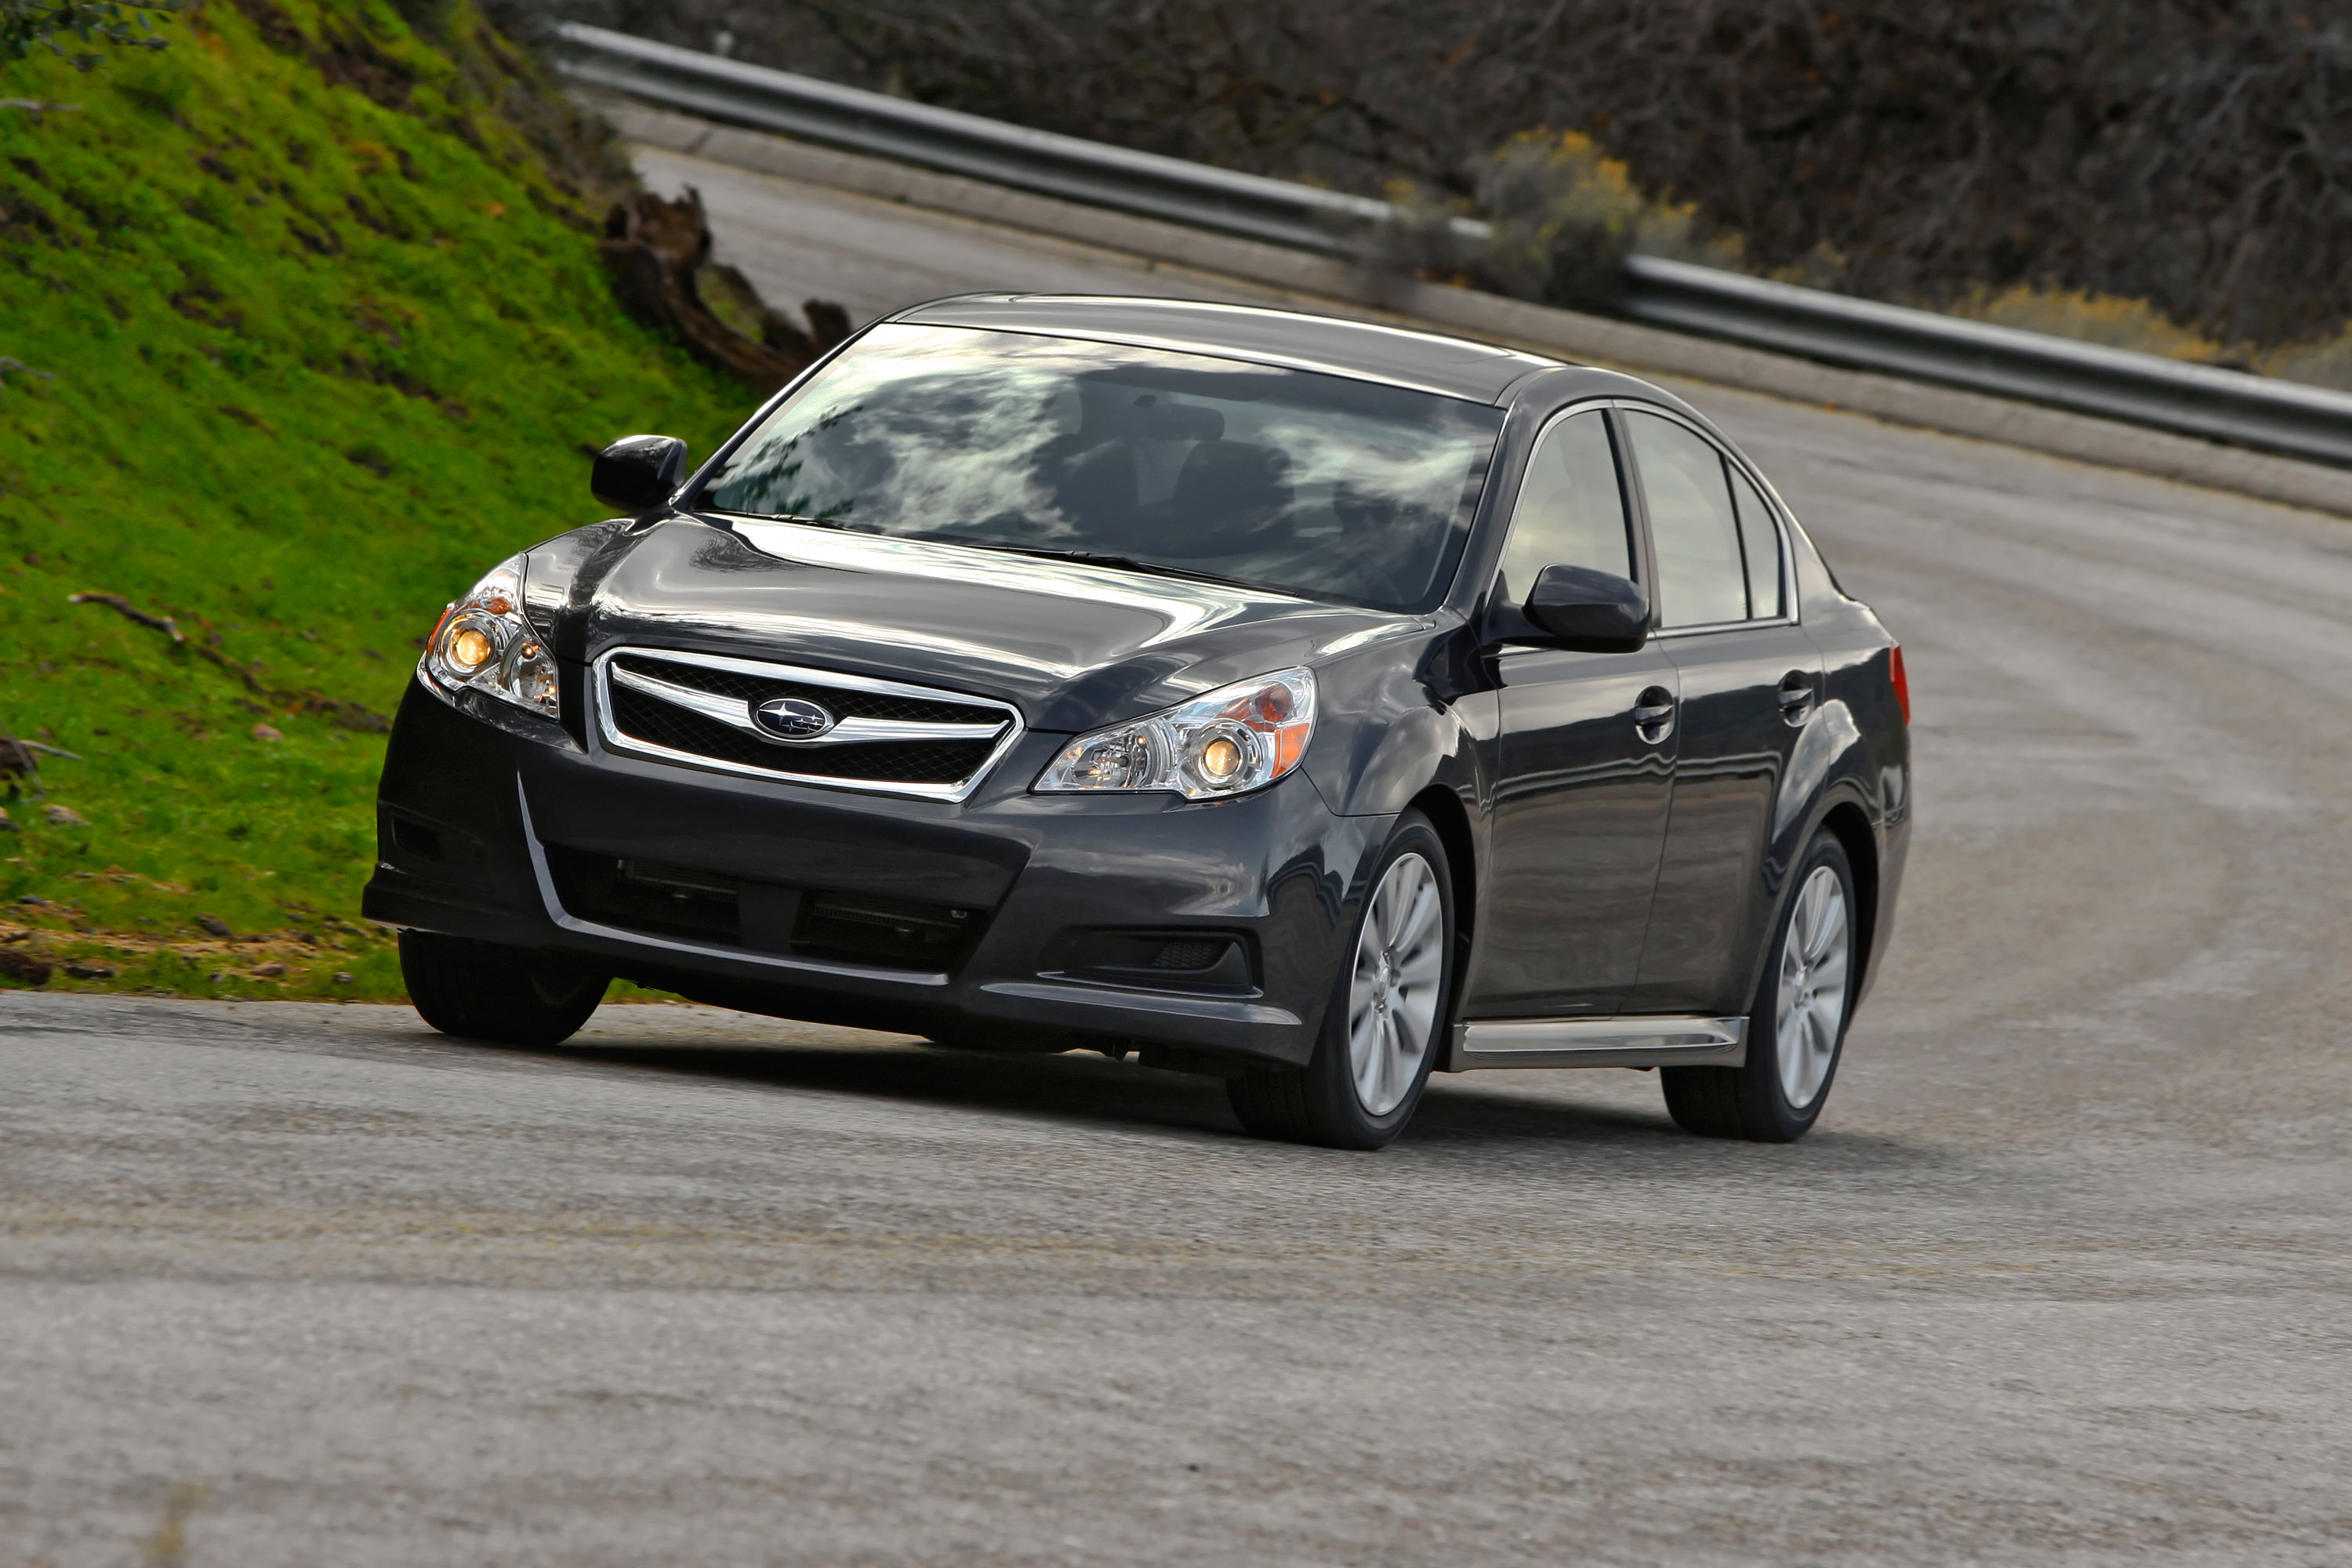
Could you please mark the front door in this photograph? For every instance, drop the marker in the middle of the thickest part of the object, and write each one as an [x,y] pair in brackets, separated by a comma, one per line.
[1585,762]
[1749,678]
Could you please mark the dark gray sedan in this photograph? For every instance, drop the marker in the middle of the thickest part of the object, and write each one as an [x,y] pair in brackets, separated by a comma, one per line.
[1312,704]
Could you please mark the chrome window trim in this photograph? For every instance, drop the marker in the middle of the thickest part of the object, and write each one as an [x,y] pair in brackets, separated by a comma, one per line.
[629,745]
[1711,628]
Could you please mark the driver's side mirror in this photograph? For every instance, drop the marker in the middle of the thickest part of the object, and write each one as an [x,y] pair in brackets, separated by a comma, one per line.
[1587,611]
[638,473]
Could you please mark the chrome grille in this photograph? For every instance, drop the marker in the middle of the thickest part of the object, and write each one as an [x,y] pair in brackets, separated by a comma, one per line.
[848,702]
[886,737]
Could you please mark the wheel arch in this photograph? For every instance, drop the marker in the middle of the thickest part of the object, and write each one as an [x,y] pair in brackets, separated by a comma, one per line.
[1846,820]
[1827,785]
[1444,808]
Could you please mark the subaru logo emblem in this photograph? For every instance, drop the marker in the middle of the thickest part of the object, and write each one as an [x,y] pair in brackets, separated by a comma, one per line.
[791,718]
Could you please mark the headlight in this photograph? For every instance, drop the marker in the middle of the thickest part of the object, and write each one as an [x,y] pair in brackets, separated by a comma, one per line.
[1236,739]
[486,641]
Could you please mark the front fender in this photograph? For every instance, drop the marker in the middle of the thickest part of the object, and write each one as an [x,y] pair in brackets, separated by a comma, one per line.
[1384,765]
[1387,733]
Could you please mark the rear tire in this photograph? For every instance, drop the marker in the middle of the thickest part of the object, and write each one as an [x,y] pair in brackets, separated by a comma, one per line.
[1385,1025]
[483,991]
[1796,1031]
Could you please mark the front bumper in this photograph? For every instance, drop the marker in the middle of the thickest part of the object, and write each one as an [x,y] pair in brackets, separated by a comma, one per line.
[486,816]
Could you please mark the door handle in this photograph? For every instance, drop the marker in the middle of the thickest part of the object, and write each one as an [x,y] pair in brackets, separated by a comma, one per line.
[1796,696]
[1654,715]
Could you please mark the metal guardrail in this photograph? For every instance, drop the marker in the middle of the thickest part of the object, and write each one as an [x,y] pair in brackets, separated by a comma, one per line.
[2228,406]
[1198,195]
[2225,405]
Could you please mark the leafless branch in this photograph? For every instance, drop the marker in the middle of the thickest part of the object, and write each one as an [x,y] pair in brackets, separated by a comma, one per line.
[349,715]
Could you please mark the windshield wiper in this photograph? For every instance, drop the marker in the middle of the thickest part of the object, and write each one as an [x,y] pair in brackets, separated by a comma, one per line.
[788,517]
[815,522]
[1087,558]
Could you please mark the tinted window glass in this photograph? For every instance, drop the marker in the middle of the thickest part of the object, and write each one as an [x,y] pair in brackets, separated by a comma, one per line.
[1760,543]
[1305,483]
[1571,511]
[1701,578]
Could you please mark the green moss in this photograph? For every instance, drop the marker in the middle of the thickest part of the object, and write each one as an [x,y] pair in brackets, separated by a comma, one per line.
[326,335]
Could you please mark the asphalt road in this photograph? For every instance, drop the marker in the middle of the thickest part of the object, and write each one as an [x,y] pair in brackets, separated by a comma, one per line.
[2062,1278]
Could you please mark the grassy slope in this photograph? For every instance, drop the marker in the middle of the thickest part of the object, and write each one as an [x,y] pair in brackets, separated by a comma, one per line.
[319,355]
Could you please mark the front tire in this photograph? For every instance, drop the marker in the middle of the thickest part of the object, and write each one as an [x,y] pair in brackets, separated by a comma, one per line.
[483,991]
[1386,1021]
[1796,1032]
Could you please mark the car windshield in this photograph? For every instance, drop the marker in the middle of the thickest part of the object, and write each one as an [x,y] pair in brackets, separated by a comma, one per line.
[1320,485]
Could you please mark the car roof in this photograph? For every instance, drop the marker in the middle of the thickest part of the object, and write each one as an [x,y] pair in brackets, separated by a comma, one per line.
[1427,362]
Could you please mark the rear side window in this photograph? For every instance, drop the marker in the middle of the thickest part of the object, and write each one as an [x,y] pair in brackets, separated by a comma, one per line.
[1702,575]
[1760,545]
[1571,509]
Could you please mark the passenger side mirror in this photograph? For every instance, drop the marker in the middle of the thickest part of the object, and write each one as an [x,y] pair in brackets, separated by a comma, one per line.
[638,473]
[1588,611]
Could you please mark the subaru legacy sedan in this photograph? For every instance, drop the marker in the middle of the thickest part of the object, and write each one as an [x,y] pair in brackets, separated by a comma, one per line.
[1309,704]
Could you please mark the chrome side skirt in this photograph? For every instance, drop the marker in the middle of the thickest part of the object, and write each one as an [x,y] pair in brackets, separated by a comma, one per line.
[1636,1042]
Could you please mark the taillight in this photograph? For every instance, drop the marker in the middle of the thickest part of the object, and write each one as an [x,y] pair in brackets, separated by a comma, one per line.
[1901,681]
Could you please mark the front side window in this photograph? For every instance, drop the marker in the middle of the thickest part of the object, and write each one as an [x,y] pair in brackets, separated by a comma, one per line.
[1310,484]
[1571,509]
[1702,575]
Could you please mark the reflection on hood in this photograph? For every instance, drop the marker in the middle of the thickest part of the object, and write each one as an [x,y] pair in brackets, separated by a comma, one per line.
[1068,642]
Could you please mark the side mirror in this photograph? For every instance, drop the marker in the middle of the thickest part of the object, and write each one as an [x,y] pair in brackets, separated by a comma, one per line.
[637,473]
[1588,611]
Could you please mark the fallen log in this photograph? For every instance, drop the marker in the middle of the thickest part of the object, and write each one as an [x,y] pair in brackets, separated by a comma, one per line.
[24,966]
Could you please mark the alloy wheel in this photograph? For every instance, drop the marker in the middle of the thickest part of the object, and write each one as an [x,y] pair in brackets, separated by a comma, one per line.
[1815,958]
[1400,969]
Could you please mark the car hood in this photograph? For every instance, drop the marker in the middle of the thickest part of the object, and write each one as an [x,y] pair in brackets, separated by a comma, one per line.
[1073,646]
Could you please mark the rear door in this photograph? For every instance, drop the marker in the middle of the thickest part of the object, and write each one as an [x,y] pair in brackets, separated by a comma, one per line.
[1749,678]
[1585,759]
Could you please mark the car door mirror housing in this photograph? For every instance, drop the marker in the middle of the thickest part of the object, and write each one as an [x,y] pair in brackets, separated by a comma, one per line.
[637,473]
[1578,609]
